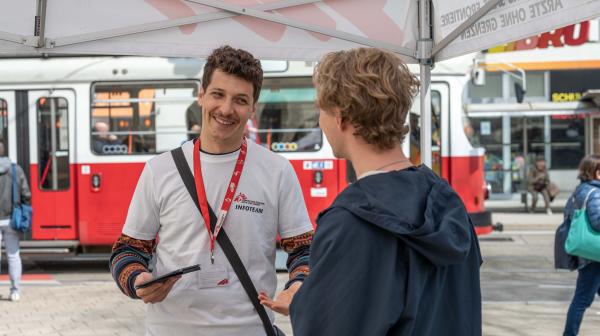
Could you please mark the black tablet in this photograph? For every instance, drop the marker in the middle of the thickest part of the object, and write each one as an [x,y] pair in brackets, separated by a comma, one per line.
[164,277]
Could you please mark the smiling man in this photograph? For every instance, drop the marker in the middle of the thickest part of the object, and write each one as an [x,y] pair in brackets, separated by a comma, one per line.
[254,193]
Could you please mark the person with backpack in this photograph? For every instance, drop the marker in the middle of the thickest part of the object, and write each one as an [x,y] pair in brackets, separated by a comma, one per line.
[11,237]
[586,196]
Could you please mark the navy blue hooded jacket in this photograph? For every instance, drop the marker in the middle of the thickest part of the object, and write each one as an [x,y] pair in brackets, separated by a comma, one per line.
[395,254]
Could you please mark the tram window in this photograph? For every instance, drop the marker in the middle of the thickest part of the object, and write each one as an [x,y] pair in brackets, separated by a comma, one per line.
[286,117]
[53,143]
[140,117]
[414,123]
[492,88]
[567,147]
[4,124]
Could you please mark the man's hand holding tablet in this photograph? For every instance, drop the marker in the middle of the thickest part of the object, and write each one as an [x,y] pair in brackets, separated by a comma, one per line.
[152,290]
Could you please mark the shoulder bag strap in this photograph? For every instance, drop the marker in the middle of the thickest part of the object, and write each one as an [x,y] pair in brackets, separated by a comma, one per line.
[14,185]
[224,242]
[587,197]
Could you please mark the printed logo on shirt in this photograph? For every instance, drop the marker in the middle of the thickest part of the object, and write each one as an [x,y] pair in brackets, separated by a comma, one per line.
[244,204]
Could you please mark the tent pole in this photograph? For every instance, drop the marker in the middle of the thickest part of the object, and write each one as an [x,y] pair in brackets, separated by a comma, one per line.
[425,96]
[424,47]
[40,23]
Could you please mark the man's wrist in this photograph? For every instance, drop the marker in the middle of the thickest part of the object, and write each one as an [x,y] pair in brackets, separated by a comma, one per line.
[294,280]
[131,282]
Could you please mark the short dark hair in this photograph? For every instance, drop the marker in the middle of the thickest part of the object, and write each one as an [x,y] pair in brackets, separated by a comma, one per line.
[588,167]
[237,62]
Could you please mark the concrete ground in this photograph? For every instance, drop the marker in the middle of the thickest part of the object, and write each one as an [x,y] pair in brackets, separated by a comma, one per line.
[522,294]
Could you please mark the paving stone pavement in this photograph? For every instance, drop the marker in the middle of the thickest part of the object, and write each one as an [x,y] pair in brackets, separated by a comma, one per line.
[97,308]
[89,304]
[78,308]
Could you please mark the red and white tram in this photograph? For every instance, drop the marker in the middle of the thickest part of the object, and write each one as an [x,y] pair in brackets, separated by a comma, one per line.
[82,176]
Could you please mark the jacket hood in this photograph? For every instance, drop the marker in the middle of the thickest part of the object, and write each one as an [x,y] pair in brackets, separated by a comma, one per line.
[417,207]
[4,165]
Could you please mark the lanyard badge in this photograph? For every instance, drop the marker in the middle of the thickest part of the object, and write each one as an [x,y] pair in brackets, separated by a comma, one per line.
[229,194]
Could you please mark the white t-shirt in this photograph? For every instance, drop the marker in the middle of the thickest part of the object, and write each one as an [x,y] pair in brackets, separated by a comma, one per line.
[268,202]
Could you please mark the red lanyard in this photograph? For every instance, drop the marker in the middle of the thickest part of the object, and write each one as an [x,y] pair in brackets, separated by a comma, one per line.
[201,192]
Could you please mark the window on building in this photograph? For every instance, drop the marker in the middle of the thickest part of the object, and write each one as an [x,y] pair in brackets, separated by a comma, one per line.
[140,117]
[567,147]
[487,133]
[4,125]
[536,85]
[286,118]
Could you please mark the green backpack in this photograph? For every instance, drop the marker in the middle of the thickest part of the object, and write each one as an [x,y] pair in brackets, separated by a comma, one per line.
[583,240]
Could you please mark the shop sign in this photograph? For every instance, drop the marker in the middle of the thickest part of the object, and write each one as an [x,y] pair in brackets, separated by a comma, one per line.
[573,35]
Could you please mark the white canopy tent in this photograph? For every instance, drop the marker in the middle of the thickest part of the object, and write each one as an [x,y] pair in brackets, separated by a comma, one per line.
[420,31]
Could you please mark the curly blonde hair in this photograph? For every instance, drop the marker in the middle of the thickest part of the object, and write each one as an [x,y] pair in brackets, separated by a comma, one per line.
[372,88]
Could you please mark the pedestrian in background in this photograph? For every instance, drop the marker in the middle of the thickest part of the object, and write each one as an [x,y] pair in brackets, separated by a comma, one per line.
[539,181]
[11,237]
[588,277]
[396,253]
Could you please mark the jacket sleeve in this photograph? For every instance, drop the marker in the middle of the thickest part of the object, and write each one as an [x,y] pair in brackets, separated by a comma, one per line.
[298,250]
[129,258]
[593,209]
[354,286]
[24,186]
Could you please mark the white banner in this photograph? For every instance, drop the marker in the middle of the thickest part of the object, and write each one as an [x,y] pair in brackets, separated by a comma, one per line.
[153,27]
[73,26]
[509,21]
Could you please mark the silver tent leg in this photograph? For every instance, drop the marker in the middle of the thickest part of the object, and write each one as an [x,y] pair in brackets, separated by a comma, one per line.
[424,48]
[425,96]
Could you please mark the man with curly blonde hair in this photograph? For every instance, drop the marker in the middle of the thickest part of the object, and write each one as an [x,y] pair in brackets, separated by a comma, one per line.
[396,253]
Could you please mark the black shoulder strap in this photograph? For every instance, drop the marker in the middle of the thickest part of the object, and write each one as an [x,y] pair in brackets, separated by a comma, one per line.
[224,242]
[14,178]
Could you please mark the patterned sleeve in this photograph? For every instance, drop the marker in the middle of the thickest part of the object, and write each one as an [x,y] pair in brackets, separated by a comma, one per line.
[129,258]
[298,250]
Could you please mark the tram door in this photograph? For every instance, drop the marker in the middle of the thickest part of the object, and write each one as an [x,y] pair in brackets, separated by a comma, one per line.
[52,173]
[7,124]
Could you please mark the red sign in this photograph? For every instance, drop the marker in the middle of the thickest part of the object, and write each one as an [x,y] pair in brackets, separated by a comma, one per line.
[557,38]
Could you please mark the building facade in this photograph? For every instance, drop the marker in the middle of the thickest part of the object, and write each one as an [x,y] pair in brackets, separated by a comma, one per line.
[557,119]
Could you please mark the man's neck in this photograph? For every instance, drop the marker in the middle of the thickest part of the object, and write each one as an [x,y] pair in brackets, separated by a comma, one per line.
[209,145]
[367,158]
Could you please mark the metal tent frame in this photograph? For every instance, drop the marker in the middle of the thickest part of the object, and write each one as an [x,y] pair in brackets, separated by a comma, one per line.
[425,53]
